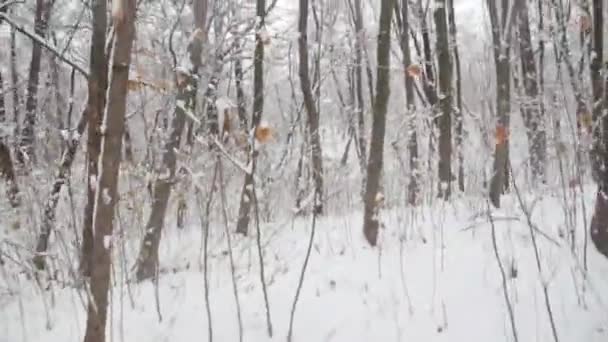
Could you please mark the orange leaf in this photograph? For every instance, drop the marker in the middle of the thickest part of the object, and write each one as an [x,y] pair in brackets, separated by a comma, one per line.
[414,70]
[502,134]
[263,133]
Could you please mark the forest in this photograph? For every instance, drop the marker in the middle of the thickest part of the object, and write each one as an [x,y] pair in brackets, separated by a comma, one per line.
[303,170]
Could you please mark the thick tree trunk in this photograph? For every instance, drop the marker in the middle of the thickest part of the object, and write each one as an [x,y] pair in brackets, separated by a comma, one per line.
[372,196]
[309,104]
[98,84]
[147,262]
[107,183]
[599,222]
[247,197]
[445,101]
[26,145]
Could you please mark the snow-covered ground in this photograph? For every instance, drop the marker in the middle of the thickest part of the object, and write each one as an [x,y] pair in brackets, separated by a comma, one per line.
[435,277]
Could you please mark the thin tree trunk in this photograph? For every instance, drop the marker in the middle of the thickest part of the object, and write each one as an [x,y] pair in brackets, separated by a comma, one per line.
[599,222]
[360,108]
[98,84]
[412,145]
[147,262]
[458,115]
[372,196]
[15,82]
[107,184]
[7,169]
[532,118]
[242,224]
[26,145]
[445,100]
[309,104]
[48,214]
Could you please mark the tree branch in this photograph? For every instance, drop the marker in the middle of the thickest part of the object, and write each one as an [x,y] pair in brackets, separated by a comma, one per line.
[39,40]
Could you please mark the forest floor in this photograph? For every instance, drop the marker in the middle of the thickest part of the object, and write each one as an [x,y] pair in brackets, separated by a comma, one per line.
[435,277]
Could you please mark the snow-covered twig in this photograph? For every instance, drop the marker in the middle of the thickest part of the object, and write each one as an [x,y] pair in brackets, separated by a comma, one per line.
[36,38]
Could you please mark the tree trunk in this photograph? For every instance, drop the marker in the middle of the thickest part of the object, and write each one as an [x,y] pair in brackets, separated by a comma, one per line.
[242,224]
[309,104]
[98,84]
[372,196]
[48,214]
[445,101]
[109,164]
[458,115]
[412,144]
[360,107]
[501,33]
[147,262]
[26,145]
[7,170]
[14,84]
[599,222]
[532,117]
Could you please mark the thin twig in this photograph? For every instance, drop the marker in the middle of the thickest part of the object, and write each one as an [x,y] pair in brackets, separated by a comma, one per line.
[302,273]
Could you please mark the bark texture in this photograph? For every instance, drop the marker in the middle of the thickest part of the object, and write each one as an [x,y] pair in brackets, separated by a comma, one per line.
[98,84]
[311,109]
[247,195]
[373,198]
[109,165]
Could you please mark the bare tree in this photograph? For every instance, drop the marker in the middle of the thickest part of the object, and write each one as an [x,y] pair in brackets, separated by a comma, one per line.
[445,100]
[412,145]
[43,12]
[109,164]
[7,170]
[501,34]
[457,78]
[372,197]
[247,195]
[98,83]
[147,262]
[309,104]
[532,115]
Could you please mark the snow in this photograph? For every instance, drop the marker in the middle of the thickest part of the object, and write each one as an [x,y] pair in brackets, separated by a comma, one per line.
[433,278]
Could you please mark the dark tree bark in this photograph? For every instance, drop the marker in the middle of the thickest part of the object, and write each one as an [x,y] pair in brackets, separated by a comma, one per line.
[445,100]
[458,115]
[532,116]
[309,104]
[48,214]
[7,169]
[147,262]
[501,33]
[412,145]
[372,196]
[599,222]
[98,84]
[247,195]
[26,144]
[107,184]
[14,84]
